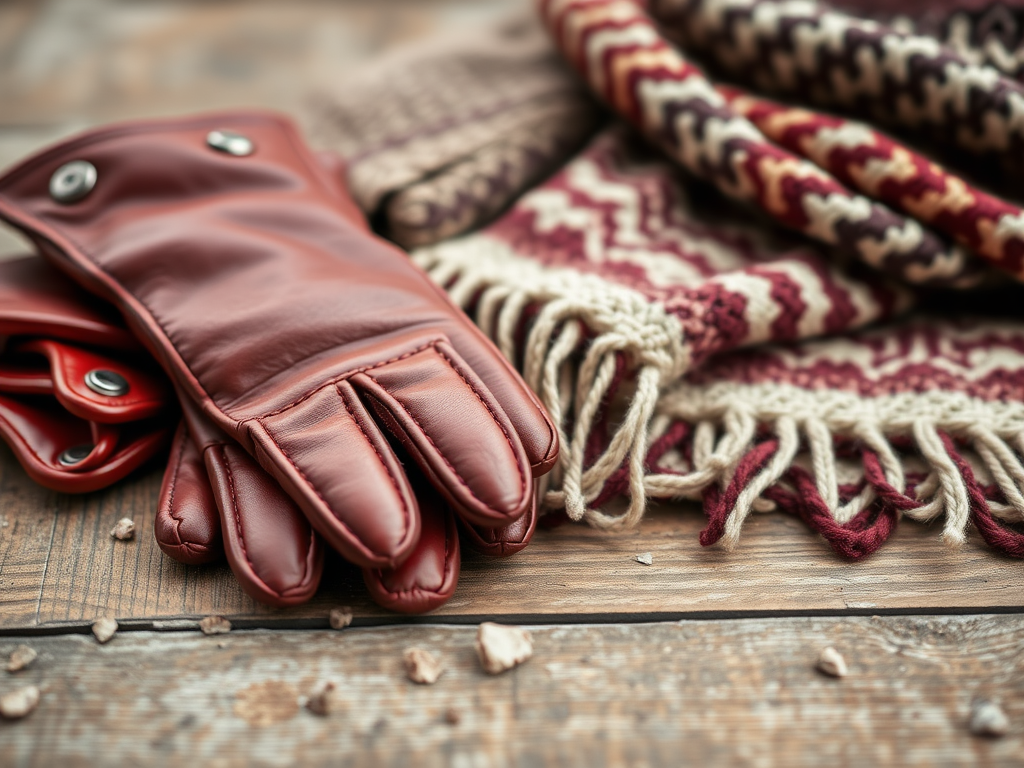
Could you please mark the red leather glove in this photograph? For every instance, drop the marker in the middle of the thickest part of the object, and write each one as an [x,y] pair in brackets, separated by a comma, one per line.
[308,342]
[278,560]
[81,404]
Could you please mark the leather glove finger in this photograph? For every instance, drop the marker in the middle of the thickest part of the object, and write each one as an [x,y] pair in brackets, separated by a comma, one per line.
[213,487]
[188,529]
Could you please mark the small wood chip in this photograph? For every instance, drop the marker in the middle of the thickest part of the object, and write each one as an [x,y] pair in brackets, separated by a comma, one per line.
[124,529]
[646,558]
[831,662]
[19,703]
[104,629]
[321,700]
[988,719]
[215,625]
[452,716]
[421,666]
[500,647]
[21,657]
[340,617]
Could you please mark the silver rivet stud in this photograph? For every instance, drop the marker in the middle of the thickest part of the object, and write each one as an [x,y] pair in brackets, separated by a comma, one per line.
[107,383]
[72,181]
[74,455]
[230,142]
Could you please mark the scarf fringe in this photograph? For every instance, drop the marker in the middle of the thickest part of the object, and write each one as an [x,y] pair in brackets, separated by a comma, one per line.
[602,375]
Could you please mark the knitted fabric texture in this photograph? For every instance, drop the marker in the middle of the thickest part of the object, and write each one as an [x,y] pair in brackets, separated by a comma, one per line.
[742,317]
[442,136]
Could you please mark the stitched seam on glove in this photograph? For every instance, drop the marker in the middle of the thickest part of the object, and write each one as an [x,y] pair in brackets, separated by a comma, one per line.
[234,512]
[19,214]
[445,576]
[387,468]
[342,377]
[494,418]
[174,488]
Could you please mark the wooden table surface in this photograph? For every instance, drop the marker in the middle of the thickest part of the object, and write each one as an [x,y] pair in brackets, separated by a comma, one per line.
[703,657]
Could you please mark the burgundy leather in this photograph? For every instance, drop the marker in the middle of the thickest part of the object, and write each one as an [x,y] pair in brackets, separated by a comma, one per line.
[306,340]
[273,552]
[51,335]
[187,526]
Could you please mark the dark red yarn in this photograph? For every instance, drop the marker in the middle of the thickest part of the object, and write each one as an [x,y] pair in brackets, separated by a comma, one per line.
[996,534]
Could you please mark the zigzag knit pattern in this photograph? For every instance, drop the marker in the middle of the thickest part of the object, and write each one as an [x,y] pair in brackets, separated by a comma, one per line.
[875,165]
[664,335]
[834,59]
[688,349]
[617,48]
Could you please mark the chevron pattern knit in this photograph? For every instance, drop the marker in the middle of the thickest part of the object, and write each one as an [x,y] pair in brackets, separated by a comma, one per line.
[833,59]
[881,168]
[619,51]
[689,350]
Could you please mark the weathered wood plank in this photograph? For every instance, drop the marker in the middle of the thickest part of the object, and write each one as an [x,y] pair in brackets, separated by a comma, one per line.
[103,60]
[68,64]
[701,693]
[60,567]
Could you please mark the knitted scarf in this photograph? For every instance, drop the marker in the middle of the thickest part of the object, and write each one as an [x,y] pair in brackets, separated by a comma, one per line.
[762,305]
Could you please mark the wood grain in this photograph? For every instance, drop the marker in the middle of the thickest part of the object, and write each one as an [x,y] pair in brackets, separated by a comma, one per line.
[100,60]
[694,692]
[68,64]
[59,567]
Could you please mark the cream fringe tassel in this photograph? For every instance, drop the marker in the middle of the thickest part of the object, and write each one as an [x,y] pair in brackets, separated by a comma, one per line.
[569,358]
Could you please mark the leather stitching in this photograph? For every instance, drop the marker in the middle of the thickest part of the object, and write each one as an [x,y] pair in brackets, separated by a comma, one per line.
[174,487]
[241,538]
[445,577]
[349,374]
[380,457]
[394,481]
[238,519]
[494,418]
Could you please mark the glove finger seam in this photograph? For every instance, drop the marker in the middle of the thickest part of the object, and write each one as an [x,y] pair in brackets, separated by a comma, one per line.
[235,514]
[494,418]
[174,487]
[347,375]
[406,511]
[376,450]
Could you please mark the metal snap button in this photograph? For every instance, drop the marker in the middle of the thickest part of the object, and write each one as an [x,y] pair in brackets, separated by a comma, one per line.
[230,142]
[74,455]
[107,383]
[72,181]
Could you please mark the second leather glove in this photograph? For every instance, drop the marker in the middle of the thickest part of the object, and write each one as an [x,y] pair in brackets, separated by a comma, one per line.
[306,340]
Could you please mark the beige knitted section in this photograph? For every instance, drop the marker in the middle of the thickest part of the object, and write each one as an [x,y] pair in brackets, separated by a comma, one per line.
[441,137]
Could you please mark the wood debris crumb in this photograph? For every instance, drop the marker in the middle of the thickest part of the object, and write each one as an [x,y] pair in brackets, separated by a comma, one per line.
[831,662]
[104,629]
[124,530]
[501,648]
[19,703]
[988,719]
[421,666]
[321,700]
[452,716]
[340,617]
[21,658]
[646,558]
[215,625]
[262,704]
